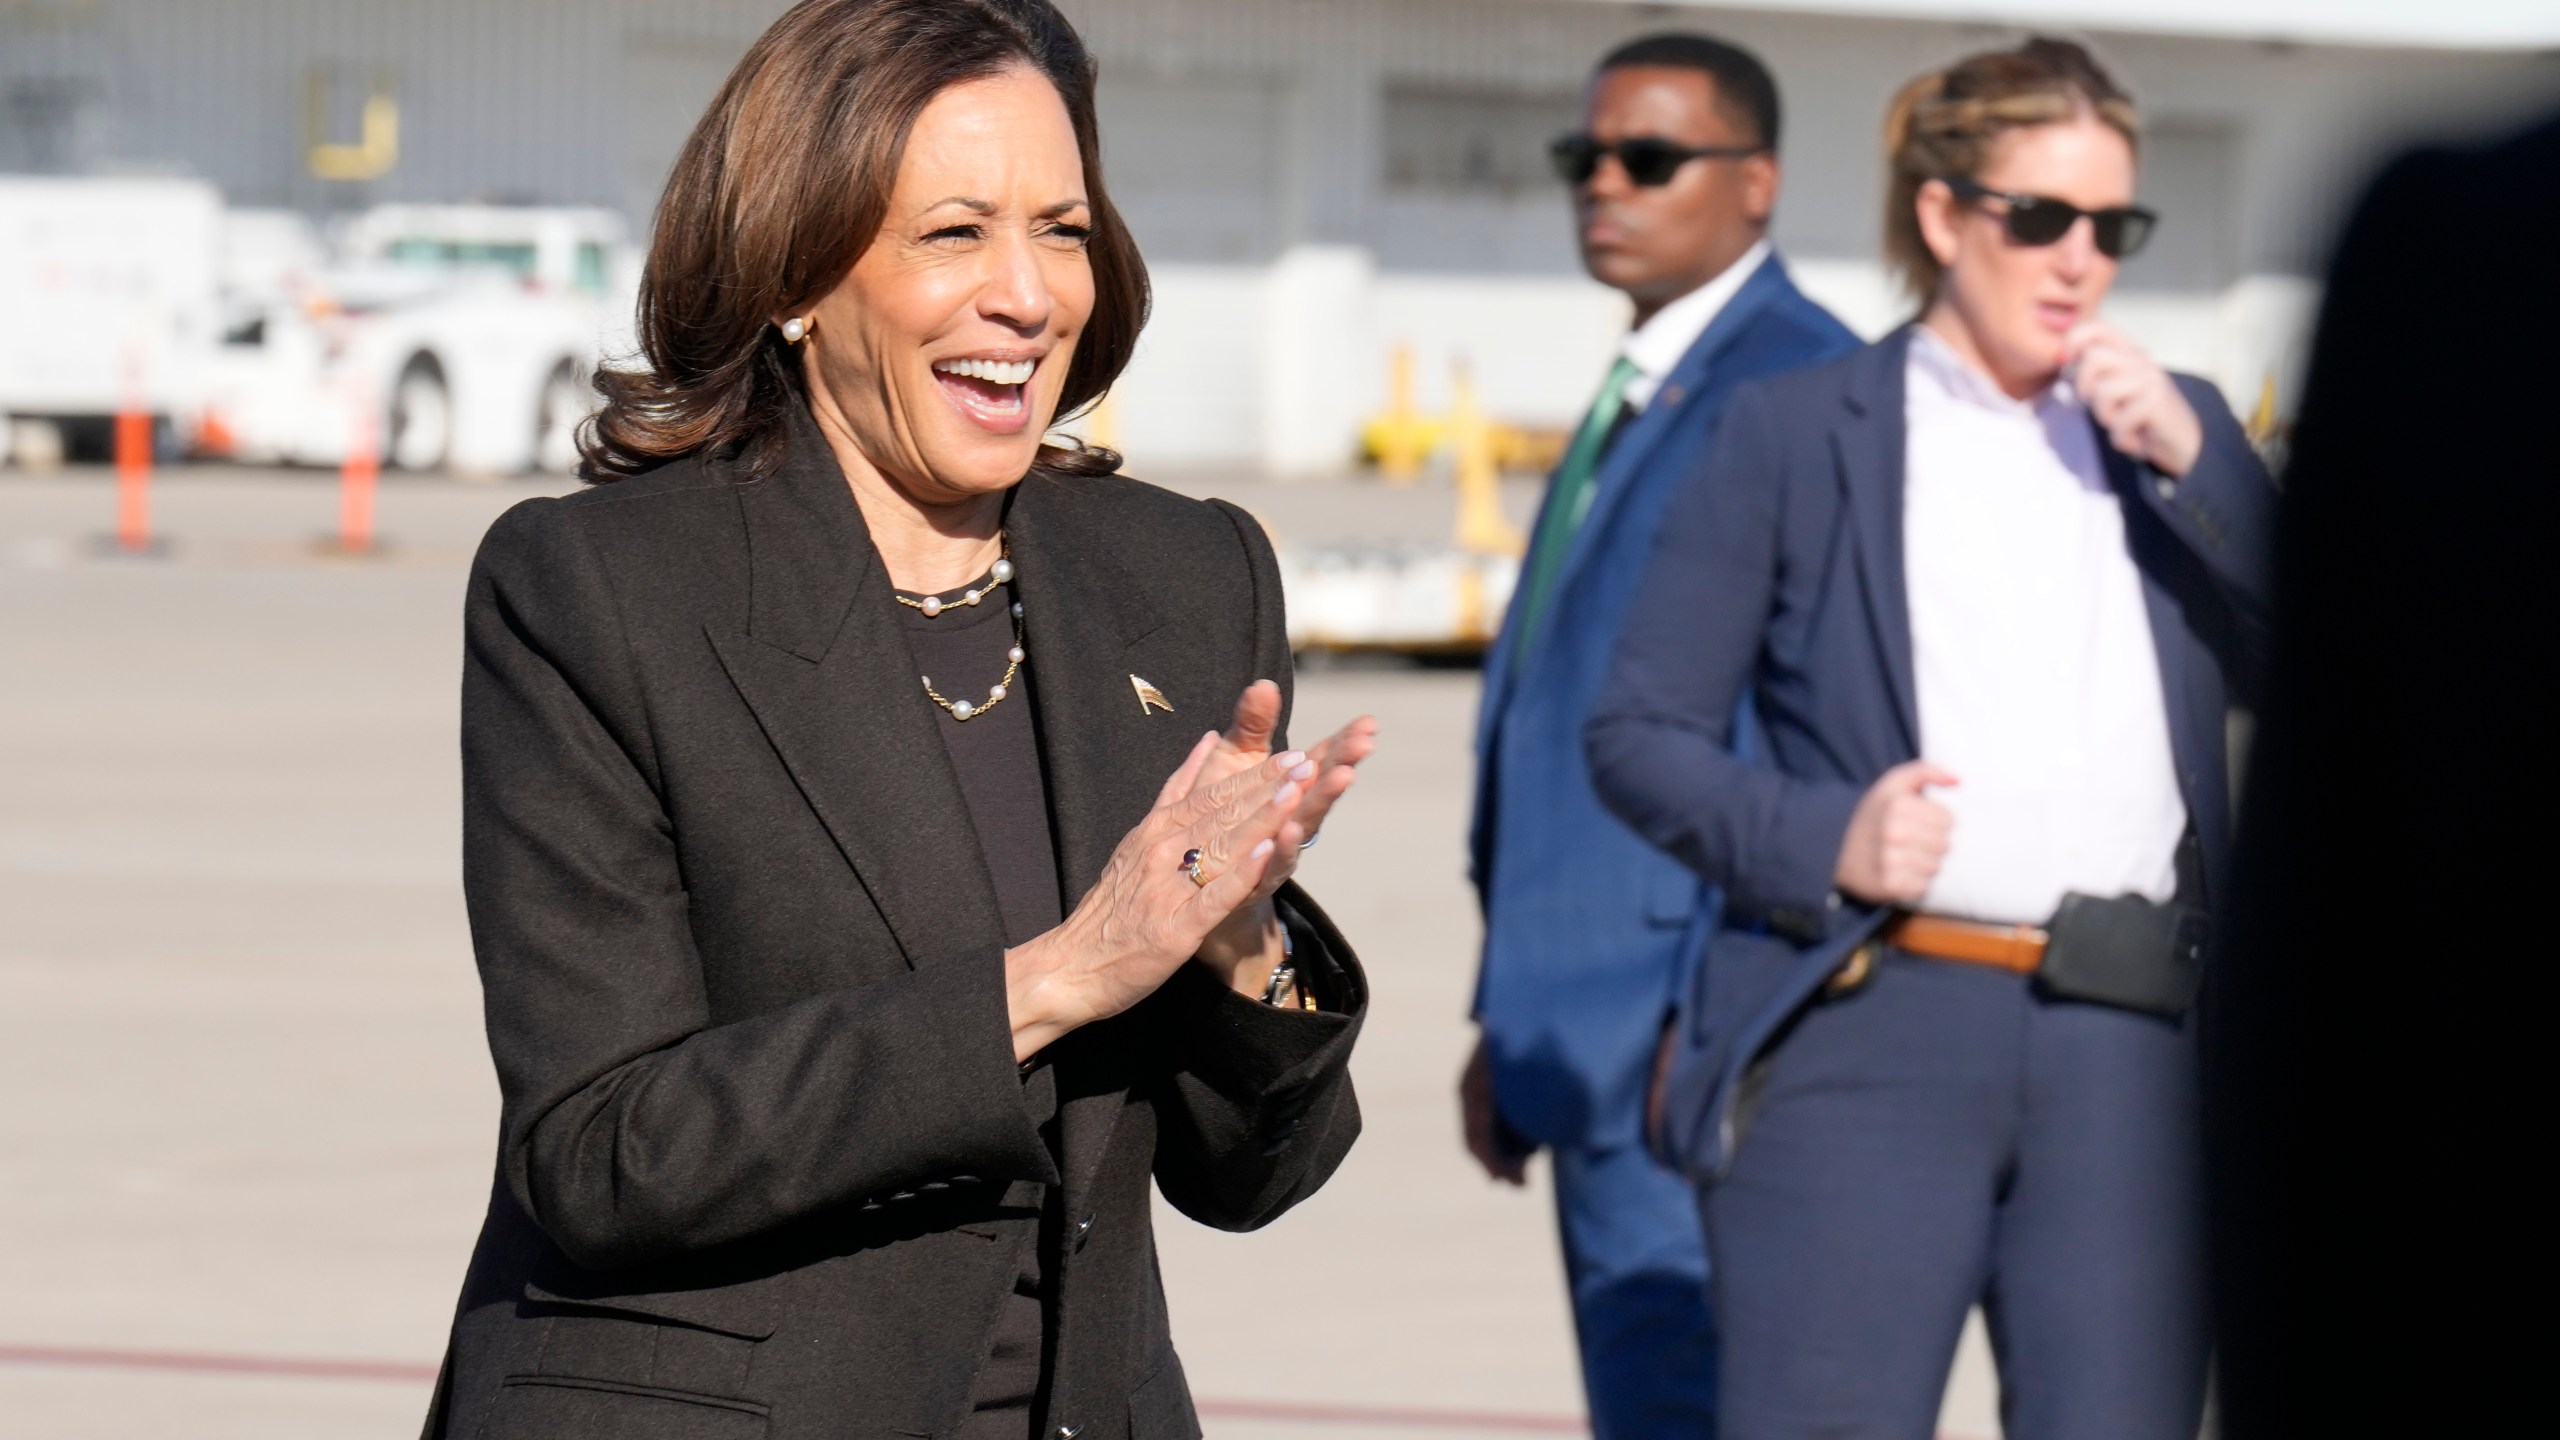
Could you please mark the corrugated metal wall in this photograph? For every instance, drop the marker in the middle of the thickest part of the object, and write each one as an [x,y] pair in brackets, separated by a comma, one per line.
[551,100]
[2267,138]
[1236,128]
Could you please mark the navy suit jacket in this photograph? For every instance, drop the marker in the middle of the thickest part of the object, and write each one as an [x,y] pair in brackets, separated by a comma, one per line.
[1779,577]
[1585,923]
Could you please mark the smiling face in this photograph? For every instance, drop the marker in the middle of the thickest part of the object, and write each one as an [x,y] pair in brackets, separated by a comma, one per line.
[1659,242]
[2008,306]
[939,357]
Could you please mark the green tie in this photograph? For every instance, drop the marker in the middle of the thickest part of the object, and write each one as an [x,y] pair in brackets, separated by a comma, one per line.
[1570,502]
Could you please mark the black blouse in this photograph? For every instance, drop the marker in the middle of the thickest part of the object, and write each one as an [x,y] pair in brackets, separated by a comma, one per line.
[996,753]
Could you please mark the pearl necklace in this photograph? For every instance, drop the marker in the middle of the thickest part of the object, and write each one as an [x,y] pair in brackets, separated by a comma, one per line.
[933,605]
[965,711]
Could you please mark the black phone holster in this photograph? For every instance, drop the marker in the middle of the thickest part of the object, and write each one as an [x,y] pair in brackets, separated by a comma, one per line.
[2128,951]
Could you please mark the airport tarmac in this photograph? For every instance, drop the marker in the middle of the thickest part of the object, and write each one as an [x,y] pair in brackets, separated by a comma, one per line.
[246,1116]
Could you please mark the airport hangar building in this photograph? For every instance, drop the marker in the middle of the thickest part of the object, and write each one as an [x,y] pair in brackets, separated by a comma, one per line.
[1318,183]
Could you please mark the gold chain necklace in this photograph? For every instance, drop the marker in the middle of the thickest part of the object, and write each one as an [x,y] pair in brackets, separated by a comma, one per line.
[965,711]
[933,605]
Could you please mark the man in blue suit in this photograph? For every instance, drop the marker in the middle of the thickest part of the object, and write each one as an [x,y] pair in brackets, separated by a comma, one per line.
[1675,174]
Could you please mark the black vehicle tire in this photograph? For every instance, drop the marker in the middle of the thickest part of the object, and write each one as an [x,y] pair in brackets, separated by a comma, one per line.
[421,428]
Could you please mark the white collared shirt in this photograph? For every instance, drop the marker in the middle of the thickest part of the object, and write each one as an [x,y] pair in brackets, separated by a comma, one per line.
[1657,345]
[2038,683]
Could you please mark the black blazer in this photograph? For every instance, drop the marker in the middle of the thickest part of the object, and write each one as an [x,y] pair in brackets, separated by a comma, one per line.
[765,1165]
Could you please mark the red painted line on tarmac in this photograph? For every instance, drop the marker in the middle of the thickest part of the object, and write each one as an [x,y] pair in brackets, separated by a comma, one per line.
[300,1368]
[203,1364]
[1391,1416]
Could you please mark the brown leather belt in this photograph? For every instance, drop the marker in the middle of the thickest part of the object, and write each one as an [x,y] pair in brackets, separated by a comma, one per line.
[2018,949]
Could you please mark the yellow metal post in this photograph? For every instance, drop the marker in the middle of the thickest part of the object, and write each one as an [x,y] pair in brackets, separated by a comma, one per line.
[2262,420]
[1482,527]
[1400,437]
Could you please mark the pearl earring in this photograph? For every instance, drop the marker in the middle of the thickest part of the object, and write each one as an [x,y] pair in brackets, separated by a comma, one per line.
[794,330]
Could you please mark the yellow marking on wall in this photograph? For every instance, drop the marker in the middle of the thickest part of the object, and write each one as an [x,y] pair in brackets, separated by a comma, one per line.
[376,148]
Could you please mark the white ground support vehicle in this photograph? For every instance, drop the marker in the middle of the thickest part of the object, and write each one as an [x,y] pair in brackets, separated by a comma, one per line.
[1444,600]
[443,336]
[1409,599]
[107,303]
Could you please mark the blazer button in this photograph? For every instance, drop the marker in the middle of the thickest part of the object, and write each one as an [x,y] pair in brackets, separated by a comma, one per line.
[1084,1227]
[1069,1432]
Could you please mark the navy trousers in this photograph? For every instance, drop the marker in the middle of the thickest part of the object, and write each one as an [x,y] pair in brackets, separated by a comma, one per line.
[1637,1264]
[1944,1136]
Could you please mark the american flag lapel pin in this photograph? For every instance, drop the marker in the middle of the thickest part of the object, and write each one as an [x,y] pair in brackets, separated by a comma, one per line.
[1148,695]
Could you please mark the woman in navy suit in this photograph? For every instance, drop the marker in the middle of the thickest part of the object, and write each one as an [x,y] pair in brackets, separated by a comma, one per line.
[1988,583]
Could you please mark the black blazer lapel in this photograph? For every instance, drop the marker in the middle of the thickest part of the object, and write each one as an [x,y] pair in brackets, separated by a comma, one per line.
[827,672]
[1083,614]
[1868,447]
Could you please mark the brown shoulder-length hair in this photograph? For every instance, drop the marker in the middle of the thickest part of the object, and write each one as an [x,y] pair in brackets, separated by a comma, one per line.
[781,187]
[1944,124]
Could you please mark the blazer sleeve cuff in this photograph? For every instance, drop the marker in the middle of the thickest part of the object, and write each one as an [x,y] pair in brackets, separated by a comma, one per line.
[1240,1047]
[2223,499]
[1798,892]
[2192,503]
[965,1091]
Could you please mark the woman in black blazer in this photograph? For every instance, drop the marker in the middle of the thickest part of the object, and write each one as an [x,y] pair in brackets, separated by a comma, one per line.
[862,919]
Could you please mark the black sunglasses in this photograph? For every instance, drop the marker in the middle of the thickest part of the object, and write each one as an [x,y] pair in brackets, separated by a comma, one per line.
[1647,159]
[2041,220]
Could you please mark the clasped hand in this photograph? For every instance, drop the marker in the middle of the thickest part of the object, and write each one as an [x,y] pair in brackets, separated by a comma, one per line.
[2133,399]
[1248,812]
[1897,837]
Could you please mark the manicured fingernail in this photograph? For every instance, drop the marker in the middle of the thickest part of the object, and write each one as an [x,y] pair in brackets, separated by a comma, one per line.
[1286,794]
[1262,849]
[1303,770]
[1288,759]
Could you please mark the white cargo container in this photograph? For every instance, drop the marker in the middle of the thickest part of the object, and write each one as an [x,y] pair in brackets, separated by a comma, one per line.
[107,301]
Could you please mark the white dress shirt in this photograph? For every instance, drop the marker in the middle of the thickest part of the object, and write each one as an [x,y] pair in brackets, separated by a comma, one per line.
[2038,683]
[1657,345]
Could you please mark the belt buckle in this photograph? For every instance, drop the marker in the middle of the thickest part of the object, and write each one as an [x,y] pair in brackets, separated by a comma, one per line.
[1854,972]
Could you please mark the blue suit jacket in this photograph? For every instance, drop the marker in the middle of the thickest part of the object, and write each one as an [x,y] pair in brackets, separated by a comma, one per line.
[1780,577]
[1584,921]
